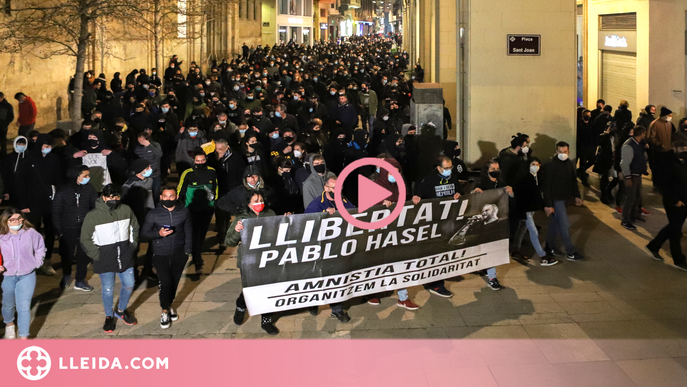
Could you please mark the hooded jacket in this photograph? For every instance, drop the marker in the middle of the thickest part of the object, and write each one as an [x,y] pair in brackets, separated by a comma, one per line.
[235,200]
[110,237]
[233,238]
[12,166]
[313,186]
[72,203]
[179,220]
[39,181]
[22,253]
[6,114]
[186,145]
[198,188]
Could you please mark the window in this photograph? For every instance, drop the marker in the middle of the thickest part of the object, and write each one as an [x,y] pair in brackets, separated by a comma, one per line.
[243,9]
[306,35]
[295,7]
[284,7]
[307,8]
[323,12]
[251,10]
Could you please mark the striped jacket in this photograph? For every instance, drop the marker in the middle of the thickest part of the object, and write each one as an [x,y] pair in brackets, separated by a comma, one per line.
[110,237]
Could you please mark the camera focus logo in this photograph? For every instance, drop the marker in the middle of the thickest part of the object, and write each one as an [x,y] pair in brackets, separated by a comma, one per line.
[33,363]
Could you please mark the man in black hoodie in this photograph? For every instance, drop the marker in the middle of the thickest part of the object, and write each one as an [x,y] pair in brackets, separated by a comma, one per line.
[646,117]
[71,204]
[38,185]
[6,117]
[229,166]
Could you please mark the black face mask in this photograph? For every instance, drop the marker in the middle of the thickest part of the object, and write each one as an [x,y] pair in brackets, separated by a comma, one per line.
[288,139]
[332,195]
[495,174]
[113,204]
[168,203]
[200,167]
[319,168]
[456,153]
[93,143]
[341,140]
[682,155]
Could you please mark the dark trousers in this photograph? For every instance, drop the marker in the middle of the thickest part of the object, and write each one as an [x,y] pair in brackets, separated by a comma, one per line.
[3,142]
[42,213]
[200,220]
[222,221]
[70,244]
[365,119]
[169,270]
[672,232]
[632,208]
[25,129]
[586,160]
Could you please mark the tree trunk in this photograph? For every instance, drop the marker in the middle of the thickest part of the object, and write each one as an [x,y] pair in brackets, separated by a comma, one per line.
[80,65]
[156,36]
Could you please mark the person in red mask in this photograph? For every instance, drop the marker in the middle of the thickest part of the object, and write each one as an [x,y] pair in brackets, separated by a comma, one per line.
[256,208]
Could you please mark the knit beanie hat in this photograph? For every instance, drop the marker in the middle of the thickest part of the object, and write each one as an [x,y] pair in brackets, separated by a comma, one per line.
[665,111]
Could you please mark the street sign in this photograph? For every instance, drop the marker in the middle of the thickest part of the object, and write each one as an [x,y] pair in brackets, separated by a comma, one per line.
[526,45]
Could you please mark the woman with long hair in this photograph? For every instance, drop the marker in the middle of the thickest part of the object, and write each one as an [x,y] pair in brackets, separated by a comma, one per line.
[22,251]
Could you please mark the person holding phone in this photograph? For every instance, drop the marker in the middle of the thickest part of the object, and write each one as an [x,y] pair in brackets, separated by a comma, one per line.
[23,251]
[168,228]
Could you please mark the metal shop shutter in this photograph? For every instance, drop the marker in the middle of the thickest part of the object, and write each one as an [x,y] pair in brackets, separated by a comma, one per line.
[619,79]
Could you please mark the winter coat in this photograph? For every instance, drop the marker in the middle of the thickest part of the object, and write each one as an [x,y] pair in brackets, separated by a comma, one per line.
[233,238]
[22,253]
[110,237]
[72,203]
[314,184]
[186,145]
[179,220]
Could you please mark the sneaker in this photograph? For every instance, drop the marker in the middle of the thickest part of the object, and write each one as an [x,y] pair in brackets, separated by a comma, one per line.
[83,286]
[10,332]
[639,219]
[66,280]
[373,301]
[110,324]
[410,305]
[628,226]
[619,210]
[494,284]
[126,317]
[548,261]
[654,253]
[239,316]
[554,252]
[645,212]
[575,257]
[520,257]
[165,321]
[681,266]
[342,316]
[173,314]
[268,326]
[199,267]
[441,291]
[47,270]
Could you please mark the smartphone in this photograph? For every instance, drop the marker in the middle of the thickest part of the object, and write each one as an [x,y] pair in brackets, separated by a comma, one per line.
[167,227]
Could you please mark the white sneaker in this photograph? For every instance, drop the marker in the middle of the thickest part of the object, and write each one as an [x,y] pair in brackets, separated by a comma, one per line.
[173,314]
[10,332]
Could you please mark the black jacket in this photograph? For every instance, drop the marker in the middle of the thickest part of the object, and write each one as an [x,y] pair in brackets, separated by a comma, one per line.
[559,181]
[673,183]
[528,194]
[6,114]
[71,204]
[437,186]
[229,170]
[179,220]
[41,178]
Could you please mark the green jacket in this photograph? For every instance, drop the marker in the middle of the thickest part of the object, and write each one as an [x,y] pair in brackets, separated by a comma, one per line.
[110,237]
[233,238]
[373,103]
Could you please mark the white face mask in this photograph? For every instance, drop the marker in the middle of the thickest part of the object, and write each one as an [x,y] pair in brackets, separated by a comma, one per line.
[562,156]
[525,149]
[297,153]
[669,118]
[534,169]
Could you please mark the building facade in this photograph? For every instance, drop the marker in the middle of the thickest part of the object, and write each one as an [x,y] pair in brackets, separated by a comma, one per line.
[287,21]
[491,95]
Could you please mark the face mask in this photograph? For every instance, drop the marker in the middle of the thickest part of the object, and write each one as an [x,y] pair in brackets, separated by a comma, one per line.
[392,179]
[525,149]
[168,203]
[93,143]
[495,174]
[534,169]
[202,95]
[446,173]
[147,173]
[236,88]
[16,227]
[258,88]
[242,131]
[288,138]
[232,106]
[669,119]
[249,98]
[295,98]
[385,118]
[562,156]
[682,155]
[21,148]
[165,110]
[297,153]
[193,134]
[85,180]
[200,166]
[315,79]
[278,114]
[208,83]
[384,82]
[145,87]
[46,151]
[319,168]
[113,204]
[223,122]
[258,207]
[332,92]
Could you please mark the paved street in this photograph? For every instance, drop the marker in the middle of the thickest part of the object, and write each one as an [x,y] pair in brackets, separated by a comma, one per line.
[619,305]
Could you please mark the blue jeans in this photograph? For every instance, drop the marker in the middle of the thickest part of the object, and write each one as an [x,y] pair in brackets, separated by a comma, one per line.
[17,291]
[402,294]
[534,234]
[560,225]
[108,281]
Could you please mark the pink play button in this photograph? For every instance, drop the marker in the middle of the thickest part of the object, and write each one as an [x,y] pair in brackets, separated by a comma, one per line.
[370,193]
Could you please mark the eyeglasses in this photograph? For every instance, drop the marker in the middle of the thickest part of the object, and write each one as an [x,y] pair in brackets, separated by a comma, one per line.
[15,220]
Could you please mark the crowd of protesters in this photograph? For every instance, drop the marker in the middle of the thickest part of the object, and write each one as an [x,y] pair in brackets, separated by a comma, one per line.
[263,135]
